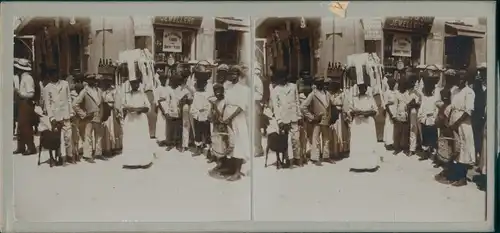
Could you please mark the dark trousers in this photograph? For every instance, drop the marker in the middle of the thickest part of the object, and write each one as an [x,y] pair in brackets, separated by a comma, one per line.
[25,140]
[174,131]
[477,129]
[457,171]
[429,136]
[202,132]
[401,135]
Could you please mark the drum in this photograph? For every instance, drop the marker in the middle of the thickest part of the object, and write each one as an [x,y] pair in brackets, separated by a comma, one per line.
[221,144]
[446,149]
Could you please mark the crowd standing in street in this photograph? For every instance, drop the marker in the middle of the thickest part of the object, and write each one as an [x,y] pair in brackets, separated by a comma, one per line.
[123,113]
[432,112]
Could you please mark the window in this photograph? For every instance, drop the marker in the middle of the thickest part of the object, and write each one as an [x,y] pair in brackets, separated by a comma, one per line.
[226,45]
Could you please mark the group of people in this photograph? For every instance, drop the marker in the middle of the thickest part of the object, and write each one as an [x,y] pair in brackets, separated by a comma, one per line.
[435,113]
[100,118]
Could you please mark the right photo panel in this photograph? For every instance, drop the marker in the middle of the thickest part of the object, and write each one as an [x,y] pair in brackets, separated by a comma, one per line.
[369,119]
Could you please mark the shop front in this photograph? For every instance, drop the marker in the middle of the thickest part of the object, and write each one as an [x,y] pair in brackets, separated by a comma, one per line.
[53,41]
[175,38]
[404,41]
[230,40]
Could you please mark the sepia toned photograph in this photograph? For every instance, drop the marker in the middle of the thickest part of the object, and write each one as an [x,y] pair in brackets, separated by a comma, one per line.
[370,119]
[131,118]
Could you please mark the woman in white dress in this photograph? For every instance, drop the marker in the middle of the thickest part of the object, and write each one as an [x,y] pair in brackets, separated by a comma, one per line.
[137,146]
[363,134]
[238,95]
[462,105]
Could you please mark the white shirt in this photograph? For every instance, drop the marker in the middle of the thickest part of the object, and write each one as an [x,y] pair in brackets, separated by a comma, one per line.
[428,110]
[16,82]
[201,107]
[26,86]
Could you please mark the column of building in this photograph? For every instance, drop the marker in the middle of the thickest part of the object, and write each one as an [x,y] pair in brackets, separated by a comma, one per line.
[205,40]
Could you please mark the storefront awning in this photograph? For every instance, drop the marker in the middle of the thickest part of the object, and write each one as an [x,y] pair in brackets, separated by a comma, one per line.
[454,29]
[228,24]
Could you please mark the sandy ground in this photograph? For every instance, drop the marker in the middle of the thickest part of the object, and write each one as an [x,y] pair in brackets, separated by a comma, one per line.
[176,188]
[403,190]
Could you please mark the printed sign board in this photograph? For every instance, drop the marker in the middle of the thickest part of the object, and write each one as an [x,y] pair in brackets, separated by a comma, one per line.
[401,45]
[172,41]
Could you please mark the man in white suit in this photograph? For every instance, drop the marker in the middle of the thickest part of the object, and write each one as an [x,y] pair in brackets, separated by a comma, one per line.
[60,110]
[286,107]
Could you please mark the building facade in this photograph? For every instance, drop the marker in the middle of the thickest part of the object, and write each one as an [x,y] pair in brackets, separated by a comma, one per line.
[312,43]
[449,42]
[82,43]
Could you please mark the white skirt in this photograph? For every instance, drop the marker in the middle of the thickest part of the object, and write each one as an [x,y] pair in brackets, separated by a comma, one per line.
[388,130]
[363,144]
[138,148]
[161,127]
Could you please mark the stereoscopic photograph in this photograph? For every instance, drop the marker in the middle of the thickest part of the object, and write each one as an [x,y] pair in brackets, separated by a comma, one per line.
[131,118]
[370,119]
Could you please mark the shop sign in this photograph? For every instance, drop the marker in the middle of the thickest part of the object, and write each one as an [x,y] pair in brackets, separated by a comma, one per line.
[372,29]
[186,21]
[401,45]
[409,24]
[172,41]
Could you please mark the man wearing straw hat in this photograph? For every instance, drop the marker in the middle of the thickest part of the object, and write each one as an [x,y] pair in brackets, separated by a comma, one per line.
[88,106]
[25,93]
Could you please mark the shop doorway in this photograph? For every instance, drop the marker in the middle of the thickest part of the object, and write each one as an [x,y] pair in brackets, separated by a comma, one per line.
[458,52]
[226,47]
[305,54]
[75,42]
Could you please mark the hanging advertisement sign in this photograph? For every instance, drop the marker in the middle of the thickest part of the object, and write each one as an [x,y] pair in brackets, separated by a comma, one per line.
[172,41]
[401,45]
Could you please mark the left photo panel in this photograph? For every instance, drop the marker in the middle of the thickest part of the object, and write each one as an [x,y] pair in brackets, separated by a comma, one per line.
[131,118]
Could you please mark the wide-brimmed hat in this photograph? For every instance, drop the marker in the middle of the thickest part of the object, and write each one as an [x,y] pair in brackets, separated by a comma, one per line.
[90,77]
[421,67]
[450,72]
[481,66]
[223,67]
[319,80]
[23,64]
[202,73]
